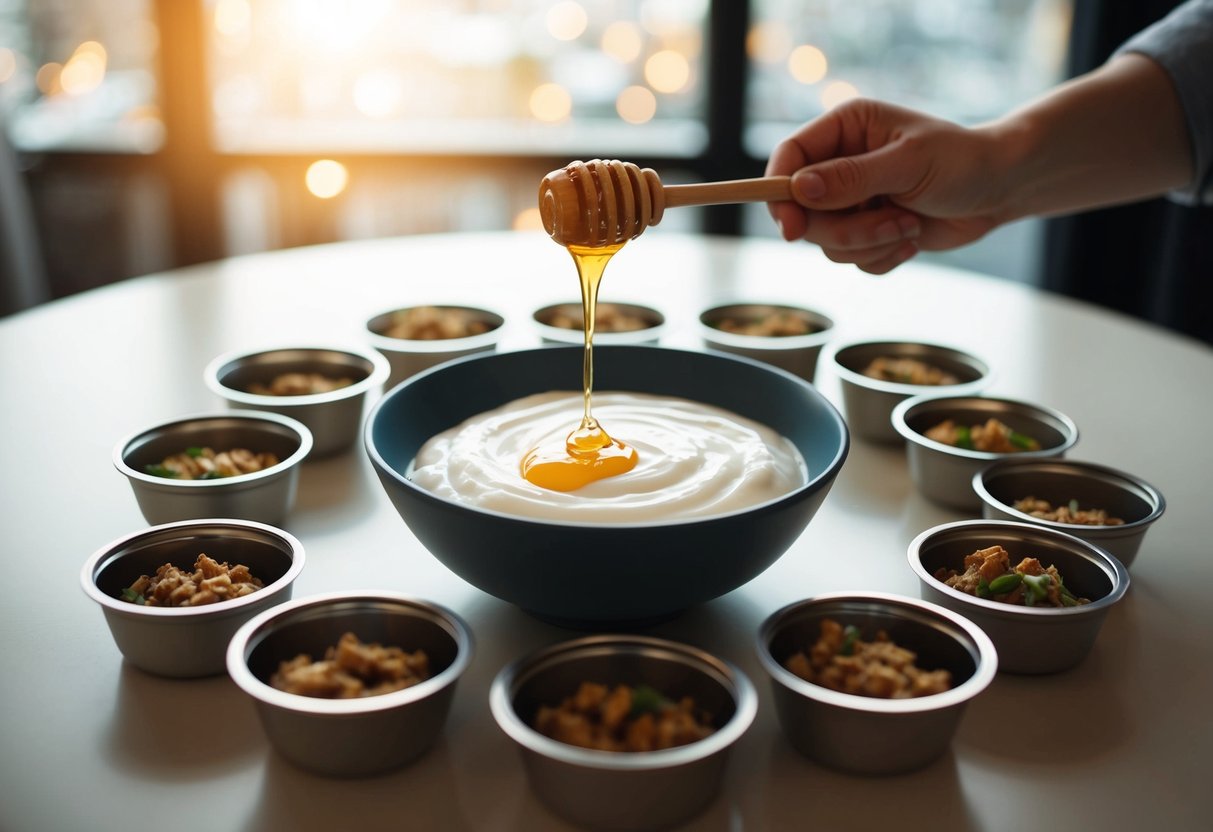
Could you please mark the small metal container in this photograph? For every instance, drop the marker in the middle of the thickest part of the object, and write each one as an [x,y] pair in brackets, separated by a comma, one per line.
[1059,481]
[407,357]
[795,353]
[650,334]
[944,473]
[265,496]
[351,737]
[334,417]
[623,790]
[1028,639]
[865,735]
[868,402]
[188,641]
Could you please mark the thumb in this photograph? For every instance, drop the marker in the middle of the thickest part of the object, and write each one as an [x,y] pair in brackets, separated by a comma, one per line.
[846,181]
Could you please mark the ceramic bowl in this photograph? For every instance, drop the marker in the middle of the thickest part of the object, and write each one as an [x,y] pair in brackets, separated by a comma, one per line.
[356,737]
[188,641]
[1029,640]
[334,417]
[594,574]
[868,402]
[795,353]
[407,356]
[266,496]
[1059,481]
[944,473]
[624,790]
[861,734]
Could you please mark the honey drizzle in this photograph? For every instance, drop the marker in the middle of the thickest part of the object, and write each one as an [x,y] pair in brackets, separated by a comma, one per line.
[590,453]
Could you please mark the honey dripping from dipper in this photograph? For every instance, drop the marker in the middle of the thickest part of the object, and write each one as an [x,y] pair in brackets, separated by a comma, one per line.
[589,453]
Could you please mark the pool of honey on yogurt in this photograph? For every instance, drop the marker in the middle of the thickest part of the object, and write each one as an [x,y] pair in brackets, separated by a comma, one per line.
[589,453]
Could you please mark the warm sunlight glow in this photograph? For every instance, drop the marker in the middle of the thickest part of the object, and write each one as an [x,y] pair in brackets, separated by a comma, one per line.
[808,64]
[667,71]
[566,20]
[551,103]
[768,43]
[8,64]
[338,28]
[528,219]
[85,70]
[622,41]
[636,105]
[326,178]
[837,92]
[378,94]
[232,18]
[47,78]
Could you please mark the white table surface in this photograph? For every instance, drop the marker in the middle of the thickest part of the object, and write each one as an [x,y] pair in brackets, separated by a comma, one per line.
[1124,741]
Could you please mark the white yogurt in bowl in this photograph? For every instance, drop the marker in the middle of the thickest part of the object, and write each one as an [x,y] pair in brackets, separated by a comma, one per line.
[695,460]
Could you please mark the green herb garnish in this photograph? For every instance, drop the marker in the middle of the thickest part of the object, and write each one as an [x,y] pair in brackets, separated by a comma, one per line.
[850,635]
[647,700]
[161,471]
[193,451]
[211,475]
[1023,442]
[964,437]
[1005,583]
[129,594]
[1038,588]
[1074,506]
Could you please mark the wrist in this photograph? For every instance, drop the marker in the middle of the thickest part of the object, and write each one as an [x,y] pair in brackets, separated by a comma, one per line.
[1009,148]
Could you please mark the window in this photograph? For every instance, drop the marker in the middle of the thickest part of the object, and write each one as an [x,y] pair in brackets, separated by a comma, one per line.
[201,128]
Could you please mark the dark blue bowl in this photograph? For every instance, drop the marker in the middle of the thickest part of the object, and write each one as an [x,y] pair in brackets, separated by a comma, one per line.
[596,575]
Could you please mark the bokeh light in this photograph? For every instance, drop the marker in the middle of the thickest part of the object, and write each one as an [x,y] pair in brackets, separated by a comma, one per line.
[326,178]
[768,42]
[808,64]
[636,105]
[8,64]
[378,94]
[47,78]
[84,70]
[528,219]
[667,71]
[837,92]
[551,103]
[622,41]
[232,18]
[567,20]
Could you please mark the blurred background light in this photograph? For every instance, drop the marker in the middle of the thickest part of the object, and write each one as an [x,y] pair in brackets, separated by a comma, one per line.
[326,178]
[636,105]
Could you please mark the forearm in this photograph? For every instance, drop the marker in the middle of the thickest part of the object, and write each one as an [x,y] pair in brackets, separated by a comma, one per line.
[1112,136]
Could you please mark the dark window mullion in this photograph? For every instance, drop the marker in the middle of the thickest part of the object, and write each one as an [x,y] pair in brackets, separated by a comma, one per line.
[728,69]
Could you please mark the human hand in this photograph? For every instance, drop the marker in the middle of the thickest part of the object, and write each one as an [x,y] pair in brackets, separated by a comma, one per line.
[875,183]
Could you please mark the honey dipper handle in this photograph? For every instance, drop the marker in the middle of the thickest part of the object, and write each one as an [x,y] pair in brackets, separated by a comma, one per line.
[764,189]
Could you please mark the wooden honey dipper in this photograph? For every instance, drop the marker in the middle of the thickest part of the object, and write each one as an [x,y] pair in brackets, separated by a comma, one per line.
[608,202]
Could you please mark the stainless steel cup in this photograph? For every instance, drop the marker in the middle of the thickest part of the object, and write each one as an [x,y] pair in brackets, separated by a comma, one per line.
[623,790]
[351,737]
[795,353]
[944,473]
[864,735]
[188,641]
[1029,639]
[334,418]
[1059,481]
[265,496]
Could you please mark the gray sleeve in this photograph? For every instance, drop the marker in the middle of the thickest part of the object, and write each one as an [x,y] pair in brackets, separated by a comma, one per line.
[1182,43]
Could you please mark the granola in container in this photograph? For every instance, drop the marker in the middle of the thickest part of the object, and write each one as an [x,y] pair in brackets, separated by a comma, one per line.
[988,574]
[623,718]
[841,660]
